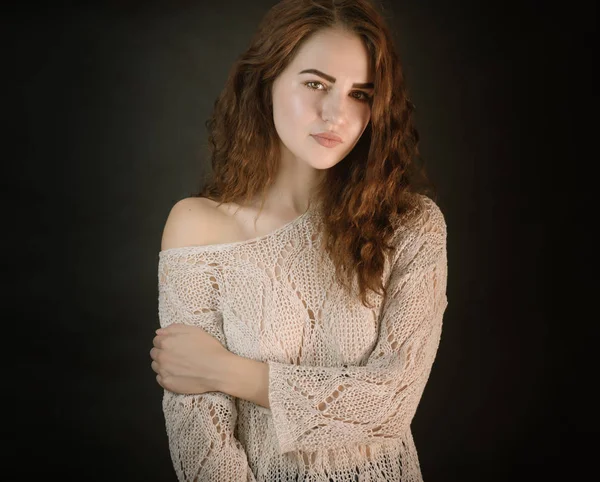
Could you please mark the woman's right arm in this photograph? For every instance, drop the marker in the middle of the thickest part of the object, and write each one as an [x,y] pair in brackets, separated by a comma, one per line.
[200,428]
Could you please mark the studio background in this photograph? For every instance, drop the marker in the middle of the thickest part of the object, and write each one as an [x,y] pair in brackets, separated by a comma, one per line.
[108,133]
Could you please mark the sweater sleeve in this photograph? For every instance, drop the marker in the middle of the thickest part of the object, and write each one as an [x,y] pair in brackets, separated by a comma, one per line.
[200,428]
[315,407]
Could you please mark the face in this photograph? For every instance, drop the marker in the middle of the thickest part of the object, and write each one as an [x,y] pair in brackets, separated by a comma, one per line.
[323,91]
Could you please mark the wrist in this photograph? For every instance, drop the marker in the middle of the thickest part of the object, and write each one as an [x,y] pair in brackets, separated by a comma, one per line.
[246,379]
[226,373]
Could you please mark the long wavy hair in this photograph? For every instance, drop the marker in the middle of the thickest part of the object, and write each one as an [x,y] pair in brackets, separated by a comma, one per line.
[362,194]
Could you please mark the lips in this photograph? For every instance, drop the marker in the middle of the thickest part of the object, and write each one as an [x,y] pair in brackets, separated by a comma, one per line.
[328,135]
[326,142]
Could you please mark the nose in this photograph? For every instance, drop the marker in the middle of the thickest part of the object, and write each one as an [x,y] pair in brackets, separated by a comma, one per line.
[333,109]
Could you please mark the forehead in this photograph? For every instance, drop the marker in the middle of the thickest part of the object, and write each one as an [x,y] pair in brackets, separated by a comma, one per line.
[335,52]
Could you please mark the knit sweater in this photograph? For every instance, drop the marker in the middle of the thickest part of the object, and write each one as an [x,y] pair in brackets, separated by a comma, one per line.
[344,380]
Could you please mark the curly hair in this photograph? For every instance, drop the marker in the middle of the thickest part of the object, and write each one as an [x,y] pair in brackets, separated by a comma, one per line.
[377,182]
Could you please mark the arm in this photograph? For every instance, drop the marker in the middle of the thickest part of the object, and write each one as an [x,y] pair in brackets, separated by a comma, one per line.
[333,406]
[200,428]
[247,379]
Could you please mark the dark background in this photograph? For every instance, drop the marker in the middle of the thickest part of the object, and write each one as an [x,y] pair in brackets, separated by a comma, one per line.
[107,133]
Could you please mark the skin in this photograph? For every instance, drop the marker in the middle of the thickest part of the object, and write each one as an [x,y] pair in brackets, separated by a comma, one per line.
[186,358]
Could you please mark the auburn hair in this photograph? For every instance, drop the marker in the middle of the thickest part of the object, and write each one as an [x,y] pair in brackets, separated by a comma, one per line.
[362,194]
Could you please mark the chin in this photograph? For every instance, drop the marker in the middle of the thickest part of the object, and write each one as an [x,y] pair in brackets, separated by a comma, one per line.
[325,163]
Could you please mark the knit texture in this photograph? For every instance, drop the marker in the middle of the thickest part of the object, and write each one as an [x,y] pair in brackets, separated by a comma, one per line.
[344,380]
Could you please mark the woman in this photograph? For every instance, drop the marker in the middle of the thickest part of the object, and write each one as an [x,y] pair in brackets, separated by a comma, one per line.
[302,290]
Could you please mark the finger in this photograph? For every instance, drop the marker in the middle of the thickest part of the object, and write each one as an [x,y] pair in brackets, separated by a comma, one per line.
[157,341]
[176,328]
[154,366]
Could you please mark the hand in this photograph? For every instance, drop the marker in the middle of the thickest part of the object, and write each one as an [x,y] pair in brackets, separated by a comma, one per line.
[187,359]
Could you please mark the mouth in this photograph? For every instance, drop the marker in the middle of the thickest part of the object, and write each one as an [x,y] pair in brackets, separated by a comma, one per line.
[329,135]
[326,141]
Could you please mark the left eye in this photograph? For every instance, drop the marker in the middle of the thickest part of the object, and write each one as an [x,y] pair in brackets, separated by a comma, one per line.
[362,95]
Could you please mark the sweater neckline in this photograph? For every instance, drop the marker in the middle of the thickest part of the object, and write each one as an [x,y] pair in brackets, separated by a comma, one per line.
[215,247]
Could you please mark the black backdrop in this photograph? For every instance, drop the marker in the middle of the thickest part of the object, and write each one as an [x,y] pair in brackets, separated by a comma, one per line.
[108,132]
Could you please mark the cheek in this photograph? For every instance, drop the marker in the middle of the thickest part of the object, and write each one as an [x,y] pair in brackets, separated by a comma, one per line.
[367,117]
[298,105]
[293,115]
[361,117]
[363,113]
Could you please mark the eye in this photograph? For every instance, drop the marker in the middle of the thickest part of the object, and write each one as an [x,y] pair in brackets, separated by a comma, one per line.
[364,97]
[313,82]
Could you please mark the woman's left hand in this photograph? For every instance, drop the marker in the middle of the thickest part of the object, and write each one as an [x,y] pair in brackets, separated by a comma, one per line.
[187,359]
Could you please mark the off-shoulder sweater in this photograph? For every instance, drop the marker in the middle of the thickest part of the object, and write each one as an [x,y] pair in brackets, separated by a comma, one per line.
[344,380]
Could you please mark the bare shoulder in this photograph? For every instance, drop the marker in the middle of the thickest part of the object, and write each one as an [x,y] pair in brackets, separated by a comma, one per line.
[191,221]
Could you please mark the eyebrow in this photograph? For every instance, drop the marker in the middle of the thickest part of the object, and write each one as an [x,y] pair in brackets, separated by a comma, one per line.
[366,85]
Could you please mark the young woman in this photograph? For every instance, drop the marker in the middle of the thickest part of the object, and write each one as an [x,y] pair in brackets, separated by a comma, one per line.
[302,290]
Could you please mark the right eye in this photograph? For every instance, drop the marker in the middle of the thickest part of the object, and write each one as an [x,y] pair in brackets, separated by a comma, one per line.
[312,83]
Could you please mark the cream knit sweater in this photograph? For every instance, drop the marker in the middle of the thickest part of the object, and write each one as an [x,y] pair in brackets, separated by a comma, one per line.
[345,381]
